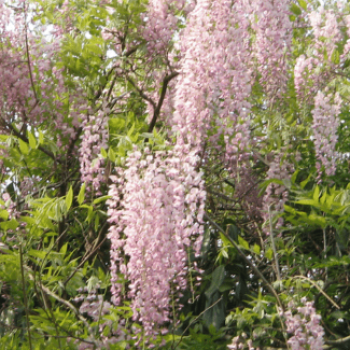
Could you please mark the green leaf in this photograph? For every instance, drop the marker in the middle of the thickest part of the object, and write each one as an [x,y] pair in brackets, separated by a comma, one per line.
[226,242]
[104,153]
[317,220]
[32,141]
[131,130]
[316,194]
[101,199]
[295,9]
[106,331]
[307,202]
[116,123]
[323,198]
[37,254]
[41,137]
[81,195]
[269,254]
[90,213]
[303,4]
[214,315]
[23,147]
[9,225]
[92,283]
[338,314]
[242,242]
[4,214]
[330,200]
[294,176]
[335,57]
[289,209]
[63,250]
[85,268]
[147,135]
[305,182]
[218,277]
[346,63]
[69,198]
[256,249]
[97,222]
[111,155]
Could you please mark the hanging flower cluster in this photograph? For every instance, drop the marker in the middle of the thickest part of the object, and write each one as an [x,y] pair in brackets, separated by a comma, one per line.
[154,225]
[95,137]
[312,71]
[325,125]
[215,81]
[270,20]
[161,23]
[276,195]
[304,324]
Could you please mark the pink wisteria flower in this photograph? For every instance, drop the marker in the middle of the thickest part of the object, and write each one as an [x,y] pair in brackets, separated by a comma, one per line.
[156,213]
[95,137]
[303,323]
[325,126]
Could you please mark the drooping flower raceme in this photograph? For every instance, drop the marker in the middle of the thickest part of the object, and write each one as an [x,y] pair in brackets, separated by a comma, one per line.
[215,80]
[95,136]
[270,20]
[160,24]
[314,69]
[304,324]
[153,227]
[325,125]
[276,195]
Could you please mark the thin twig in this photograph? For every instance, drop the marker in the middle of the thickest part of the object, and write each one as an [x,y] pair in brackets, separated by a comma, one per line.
[338,341]
[92,252]
[250,263]
[320,290]
[195,320]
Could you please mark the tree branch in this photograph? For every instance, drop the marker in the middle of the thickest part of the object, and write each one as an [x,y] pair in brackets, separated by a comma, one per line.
[156,112]
[338,341]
